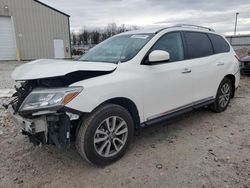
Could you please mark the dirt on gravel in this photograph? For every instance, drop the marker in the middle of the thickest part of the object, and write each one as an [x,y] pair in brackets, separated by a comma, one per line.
[6,67]
[199,149]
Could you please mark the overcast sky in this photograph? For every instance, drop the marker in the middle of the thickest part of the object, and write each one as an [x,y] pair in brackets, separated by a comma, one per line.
[218,14]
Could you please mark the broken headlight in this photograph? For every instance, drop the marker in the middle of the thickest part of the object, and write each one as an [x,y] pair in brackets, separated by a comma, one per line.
[49,98]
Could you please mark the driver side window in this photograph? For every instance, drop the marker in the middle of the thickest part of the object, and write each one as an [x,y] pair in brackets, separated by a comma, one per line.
[171,43]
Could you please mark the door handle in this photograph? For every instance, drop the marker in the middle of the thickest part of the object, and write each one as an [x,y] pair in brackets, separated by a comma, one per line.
[220,64]
[186,70]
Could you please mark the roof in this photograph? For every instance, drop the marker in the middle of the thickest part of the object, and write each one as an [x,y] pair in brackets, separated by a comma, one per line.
[51,8]
[161,28]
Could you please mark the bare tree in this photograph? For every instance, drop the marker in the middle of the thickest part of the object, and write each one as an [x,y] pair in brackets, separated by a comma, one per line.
[90,36]
[95,35]
[84,37]
[111,29]
[104,36]
[74,38]
[122,28]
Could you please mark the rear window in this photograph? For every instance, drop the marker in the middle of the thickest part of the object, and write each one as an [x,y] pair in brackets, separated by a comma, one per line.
[198,45]
[219,44]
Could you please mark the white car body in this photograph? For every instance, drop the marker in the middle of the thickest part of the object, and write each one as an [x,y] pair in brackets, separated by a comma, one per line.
[154,89]
[150,87]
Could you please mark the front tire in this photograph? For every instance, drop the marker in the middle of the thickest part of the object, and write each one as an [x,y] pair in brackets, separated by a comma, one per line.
[223,96]
[105,134]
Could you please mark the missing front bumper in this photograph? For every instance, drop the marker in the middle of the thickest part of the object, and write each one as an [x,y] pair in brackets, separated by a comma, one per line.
[32,126]
[46,129]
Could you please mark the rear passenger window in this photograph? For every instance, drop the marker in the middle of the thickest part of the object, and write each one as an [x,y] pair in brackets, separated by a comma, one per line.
[219,44]
[171,43]
[198,45]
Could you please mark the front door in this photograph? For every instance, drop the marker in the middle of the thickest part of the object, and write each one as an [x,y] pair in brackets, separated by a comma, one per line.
[168,85]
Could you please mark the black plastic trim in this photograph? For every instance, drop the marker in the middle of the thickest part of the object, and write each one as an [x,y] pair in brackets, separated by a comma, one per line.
[211,43]
[71,110]
[184,44]
[177,113]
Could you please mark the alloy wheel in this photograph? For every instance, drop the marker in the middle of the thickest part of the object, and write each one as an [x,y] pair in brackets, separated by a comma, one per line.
[224,96]
[110,136]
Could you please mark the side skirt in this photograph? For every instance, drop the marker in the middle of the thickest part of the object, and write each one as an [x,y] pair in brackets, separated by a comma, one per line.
[171,115]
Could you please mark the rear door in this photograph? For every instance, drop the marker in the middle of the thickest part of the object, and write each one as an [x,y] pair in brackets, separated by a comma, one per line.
[224,60]
[205,68]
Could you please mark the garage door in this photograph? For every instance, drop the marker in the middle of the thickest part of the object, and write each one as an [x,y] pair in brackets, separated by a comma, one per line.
[7,39]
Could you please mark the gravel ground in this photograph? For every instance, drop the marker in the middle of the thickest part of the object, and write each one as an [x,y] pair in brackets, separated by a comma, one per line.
[6,67]
[199,149]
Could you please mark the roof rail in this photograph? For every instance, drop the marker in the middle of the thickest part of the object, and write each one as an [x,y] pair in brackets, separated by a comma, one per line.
[196,26]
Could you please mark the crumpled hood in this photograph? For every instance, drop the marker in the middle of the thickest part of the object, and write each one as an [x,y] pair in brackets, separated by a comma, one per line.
[47,68]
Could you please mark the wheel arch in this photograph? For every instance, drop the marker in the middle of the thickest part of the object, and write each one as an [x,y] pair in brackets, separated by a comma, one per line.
[129,105]
[231,77]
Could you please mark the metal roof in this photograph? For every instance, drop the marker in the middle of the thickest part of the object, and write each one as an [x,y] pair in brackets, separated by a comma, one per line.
[51,8]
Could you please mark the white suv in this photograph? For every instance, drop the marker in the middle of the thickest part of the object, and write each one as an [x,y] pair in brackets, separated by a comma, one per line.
[131,80]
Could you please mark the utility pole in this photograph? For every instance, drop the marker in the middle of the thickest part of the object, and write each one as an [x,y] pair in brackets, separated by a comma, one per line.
[236,19]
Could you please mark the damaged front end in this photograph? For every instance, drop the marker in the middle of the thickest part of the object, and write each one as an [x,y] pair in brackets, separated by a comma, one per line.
[42,114]
[39,104]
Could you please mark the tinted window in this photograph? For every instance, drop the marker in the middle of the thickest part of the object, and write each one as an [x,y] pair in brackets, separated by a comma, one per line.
[171,43]
[198,45]
[219,44]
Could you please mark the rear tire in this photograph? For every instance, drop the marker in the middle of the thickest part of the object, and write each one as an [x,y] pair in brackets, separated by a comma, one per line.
[223,96]
[105,134]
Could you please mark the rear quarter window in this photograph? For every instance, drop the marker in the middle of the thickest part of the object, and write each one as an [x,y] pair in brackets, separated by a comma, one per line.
[198,45]
[219,44]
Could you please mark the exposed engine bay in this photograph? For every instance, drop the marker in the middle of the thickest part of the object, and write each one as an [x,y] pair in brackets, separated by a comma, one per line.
[61,81]
[55,125]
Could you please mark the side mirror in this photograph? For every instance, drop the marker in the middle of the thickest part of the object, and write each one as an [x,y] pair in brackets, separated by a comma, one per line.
[157,56]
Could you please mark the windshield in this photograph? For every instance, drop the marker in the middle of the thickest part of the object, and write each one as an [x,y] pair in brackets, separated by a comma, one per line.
[117,49]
